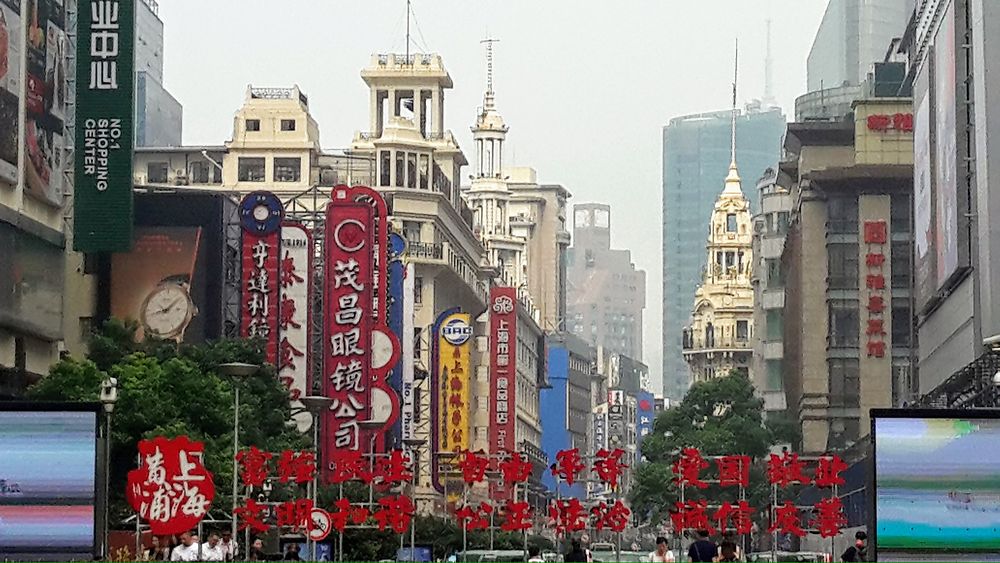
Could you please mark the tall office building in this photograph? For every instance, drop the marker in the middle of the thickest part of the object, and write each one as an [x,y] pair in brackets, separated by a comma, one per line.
[158,115]
[606,294]
[696,156]
[852,35]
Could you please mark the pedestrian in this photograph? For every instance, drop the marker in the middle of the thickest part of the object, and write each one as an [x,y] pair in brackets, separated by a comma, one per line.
[257,551]
[858,551]
[157,551]
[535,555]
[292,552]
[213,550]
[703,550]
[662,553]
[576,553]
[230,547]
[187,550]
[727,553]
[729,542]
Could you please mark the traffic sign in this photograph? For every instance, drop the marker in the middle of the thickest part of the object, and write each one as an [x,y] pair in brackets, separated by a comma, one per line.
[322,524]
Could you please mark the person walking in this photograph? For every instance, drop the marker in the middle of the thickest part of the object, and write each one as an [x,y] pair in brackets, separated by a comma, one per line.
[212,551]
[230,547]
[729,543]
[187,550]
[662,553]
[858,551]
[576,553]
[703,550]
[535,555]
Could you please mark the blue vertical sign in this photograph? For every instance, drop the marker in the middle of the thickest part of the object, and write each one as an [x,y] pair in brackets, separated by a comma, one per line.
[643,415]
[396,269]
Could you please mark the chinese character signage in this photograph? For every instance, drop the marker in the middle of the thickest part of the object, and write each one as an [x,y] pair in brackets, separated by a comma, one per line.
[171,489]
[407,390]
[643,415]
[452,380]
[261,214]
[503,371]
[902,122]
[294,284]
[348,302]
[876,239]
[102,199]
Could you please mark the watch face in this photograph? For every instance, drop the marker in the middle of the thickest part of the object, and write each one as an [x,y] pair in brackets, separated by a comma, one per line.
[166,311]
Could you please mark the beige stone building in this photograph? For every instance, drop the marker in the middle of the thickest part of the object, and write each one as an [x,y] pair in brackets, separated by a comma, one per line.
[717,340]
[846,266]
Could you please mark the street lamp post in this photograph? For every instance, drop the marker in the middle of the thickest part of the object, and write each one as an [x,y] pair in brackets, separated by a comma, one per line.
[316,405]
[414,445]
[109,396]
[237,371]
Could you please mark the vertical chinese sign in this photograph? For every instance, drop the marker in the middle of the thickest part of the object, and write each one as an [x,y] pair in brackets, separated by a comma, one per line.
[876,237]
[408,347]
[102,199]
[294,326]
[396,306]
[348,302]
[503,372]
[450,381]
[643,416]
[260,217]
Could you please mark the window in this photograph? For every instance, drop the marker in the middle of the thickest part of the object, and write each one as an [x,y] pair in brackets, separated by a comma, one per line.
[901,269]
[411,170]
[845,383]
[782,226]
[411,231]
[418,287]
[902,324]
[199,172]
[844,323]
[253,125]
[775,279]
[842,215]
[400,168]
[775,325]
[709,336]
[384,168]
[742,330]
[288,125]
[773,382]
[156,172]
[287,169]
[251,170]
[843,266]
[899,214]
[730,222]
[424,171]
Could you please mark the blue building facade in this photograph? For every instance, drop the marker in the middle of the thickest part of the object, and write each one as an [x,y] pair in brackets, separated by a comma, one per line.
[555,416]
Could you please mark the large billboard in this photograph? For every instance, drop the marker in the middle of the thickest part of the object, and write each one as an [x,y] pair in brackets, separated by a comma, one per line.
[11,47]
[925,237]
[936,484]
[295,324]
[949,204]
[105,102]
[48,482]
[503,374]
[451,382]
[45,99]
[158,282]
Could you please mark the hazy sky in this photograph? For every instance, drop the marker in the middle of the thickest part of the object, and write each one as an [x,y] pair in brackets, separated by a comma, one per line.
[585,86]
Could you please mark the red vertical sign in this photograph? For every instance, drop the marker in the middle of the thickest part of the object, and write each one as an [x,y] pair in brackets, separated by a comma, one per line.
[260,291]
[348,316]
[503,370]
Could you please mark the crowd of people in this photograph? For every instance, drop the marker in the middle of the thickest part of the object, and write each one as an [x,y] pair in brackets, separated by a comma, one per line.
[219,547]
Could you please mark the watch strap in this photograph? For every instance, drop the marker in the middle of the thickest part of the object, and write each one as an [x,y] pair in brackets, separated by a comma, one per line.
[177,278]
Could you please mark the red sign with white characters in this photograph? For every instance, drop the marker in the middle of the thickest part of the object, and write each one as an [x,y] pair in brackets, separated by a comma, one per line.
[171,489]
[503,371]
[876,237]
[896,122]
[295,286]
[348,303]
[259,310]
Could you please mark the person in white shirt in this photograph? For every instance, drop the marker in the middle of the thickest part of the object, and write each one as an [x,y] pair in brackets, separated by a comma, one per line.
[187,550]
[230,547]
[535,555]
[663,554]
[213,550]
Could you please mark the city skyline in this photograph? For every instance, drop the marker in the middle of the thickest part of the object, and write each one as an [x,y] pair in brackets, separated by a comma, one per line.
[541,102]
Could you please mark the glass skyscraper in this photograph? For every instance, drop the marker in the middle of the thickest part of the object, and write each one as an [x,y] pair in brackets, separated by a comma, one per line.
[696,155]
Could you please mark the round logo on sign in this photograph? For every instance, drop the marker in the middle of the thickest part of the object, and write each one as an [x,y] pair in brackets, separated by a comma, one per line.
[261,213]
[503,305]
[322,524]
[456,332]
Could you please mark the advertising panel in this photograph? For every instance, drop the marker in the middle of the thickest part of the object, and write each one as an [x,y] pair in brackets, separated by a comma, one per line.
[396,271]
[48,482]
[294,326]
[11,47]
[947,201]
[153,283]
[936,484]
[105,102]
[348,297]
[259,317]
[45,94]
[643,415]
[925,235]
[503,369]
[451,379]
[439,399]
[407,393]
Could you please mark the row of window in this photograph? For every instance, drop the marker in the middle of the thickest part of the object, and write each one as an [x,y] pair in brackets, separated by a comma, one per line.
[842,214]
[843,261]
[252,169]
[198,173]
[845,323]
[253,125]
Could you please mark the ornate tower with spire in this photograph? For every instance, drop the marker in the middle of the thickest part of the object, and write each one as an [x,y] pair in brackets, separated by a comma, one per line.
[489,195]
[717,340]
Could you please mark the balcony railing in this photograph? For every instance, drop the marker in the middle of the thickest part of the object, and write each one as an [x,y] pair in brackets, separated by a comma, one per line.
[433,251]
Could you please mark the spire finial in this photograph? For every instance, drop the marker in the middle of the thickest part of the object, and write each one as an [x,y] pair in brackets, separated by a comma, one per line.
[736,73]
[488,98]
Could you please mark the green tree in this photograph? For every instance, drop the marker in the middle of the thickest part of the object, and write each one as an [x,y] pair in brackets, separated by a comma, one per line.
[718,417]
[169,390]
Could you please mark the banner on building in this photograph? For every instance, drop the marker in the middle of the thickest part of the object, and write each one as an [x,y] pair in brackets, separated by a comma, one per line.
[294,326]
[407,393]
[450,382]
[261,214]
[503,371]
[643,416]
[396,272]
[105,103]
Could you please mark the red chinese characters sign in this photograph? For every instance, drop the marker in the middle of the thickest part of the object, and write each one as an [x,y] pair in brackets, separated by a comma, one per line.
[876,237]
[171,489]
[294,283]
[896,122]
[260,290]
[348,305]
[503,369]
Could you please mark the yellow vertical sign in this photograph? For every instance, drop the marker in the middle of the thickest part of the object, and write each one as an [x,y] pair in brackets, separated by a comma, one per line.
[454,381]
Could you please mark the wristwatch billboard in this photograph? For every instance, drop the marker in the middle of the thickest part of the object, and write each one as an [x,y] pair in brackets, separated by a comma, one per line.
[168,309]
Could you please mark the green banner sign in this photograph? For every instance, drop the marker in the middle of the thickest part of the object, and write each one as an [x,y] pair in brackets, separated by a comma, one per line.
[105,106]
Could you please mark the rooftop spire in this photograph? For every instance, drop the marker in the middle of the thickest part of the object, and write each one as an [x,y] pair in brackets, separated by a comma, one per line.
[733,179]
[488,97]
[768,67]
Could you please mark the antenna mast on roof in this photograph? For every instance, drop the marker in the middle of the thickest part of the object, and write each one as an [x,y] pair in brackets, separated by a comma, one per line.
[736,73]
[768,67]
